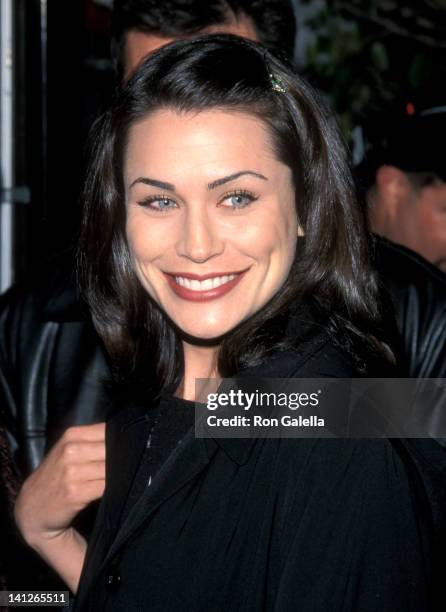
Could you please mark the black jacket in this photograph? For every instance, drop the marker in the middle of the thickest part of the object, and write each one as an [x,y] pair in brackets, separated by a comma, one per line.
[418,293]
[52,365]
[261,524]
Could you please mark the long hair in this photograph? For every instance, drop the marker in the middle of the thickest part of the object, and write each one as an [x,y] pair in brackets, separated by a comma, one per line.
[331,272]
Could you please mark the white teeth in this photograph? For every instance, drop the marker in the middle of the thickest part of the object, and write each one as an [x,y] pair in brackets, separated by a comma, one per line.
[205,285]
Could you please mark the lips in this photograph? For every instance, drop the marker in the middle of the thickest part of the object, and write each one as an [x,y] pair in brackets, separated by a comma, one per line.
[201,288]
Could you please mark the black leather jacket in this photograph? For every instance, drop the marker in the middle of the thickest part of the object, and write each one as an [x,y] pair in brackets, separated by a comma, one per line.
[51,366]
[418,293]
[52,363]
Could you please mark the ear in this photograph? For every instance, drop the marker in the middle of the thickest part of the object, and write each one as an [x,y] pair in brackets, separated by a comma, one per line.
[300,231]
[393,188]
[389,201]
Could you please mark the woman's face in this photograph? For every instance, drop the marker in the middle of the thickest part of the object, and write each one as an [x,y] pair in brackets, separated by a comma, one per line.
[211,220]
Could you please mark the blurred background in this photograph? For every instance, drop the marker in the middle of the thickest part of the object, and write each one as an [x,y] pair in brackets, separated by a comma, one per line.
[369,59]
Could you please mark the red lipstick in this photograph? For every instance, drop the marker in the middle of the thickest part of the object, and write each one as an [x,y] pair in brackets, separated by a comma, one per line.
[207,295]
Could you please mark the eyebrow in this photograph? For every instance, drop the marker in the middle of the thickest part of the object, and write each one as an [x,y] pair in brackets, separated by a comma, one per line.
[145,180]
[232,177]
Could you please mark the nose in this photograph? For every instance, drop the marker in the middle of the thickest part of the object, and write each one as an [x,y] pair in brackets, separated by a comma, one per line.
[200,238]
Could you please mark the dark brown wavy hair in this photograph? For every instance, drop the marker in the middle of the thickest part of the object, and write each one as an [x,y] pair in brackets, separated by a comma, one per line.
[331,274]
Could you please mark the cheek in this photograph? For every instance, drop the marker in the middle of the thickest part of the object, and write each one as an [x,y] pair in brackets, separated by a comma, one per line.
[439,215]
[271,241]
[145,243]
[431,221]
[274,223]
[145,246]
[278,235]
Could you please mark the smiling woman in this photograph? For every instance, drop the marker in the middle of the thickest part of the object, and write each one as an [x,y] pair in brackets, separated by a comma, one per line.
[221,236]
[224,232]
[222,166]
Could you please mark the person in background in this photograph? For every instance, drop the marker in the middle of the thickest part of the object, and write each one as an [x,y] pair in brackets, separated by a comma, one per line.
[407,198]
[139,27]
[402,180]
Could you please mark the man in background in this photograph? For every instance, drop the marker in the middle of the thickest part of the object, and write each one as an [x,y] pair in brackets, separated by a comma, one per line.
[139,27]
[407,197]
[402,179]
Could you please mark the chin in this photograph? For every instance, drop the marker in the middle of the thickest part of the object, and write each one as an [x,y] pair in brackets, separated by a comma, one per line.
[207,334]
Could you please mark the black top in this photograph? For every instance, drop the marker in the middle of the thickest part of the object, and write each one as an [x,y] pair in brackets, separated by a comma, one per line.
[270,524]
[173,417]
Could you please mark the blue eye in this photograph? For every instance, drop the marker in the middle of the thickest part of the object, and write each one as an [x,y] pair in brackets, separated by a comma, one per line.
[158,203]
[164,203]
[239,199]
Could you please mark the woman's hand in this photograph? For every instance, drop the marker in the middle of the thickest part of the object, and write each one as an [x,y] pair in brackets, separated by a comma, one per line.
[70,477]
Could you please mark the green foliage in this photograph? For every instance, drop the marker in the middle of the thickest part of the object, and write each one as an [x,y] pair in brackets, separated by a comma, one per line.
[369,55]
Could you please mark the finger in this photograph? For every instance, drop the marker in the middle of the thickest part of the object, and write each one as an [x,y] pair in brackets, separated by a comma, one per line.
[86,433]
[78,452]
[85,472]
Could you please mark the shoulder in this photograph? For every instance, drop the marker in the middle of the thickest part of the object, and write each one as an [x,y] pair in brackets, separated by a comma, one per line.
[324,347]
[315,356]
[399,265]
[417,291]
[322,357]
[50,295]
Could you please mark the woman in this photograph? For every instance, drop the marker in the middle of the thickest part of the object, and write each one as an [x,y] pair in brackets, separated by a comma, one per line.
[211,163]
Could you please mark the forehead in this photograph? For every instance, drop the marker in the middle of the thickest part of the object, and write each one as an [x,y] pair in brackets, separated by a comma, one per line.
[208,141]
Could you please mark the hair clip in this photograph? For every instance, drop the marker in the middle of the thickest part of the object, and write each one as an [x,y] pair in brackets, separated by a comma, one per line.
[276,82]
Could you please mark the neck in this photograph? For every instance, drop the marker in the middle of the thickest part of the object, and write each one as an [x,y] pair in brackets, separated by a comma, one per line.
[199,362]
